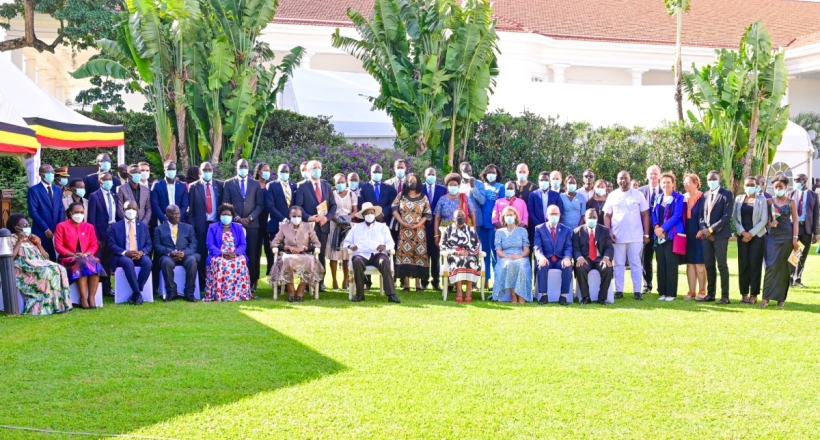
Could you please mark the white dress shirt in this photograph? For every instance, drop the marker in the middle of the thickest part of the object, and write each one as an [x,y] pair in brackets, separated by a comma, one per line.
[214,216]
[368,238]
[112,208]
[171,192]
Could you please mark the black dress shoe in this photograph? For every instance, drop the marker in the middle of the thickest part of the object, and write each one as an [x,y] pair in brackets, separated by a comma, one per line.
[647,289]
[322,287]
[393,299]
[367,287]
[254,296]
[436,287]
[190,299]
[619,295]
[138,300]
[563,300]
[300,299]
[602,302]
[706,299]
[253,288]
[543,300]
[357,298]
[638,296]
[586,300]
[291,299]
[169,298]
[724,301]
[799,284]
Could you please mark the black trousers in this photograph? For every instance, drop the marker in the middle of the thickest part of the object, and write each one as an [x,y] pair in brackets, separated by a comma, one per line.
[167,265]
[648,253]
[202,250]
[382,263]
[254,253]
[582,275]
[268,251]
[803,236]
[323,237]
[105,257]
[750,265]
[667,269]
[434,256]
[714,252]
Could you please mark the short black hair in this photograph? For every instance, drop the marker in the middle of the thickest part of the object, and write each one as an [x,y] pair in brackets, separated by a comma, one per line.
[13,221]
[452,177]
[73,182]
[782,179]
[544,175]
[71,207]
[227,207]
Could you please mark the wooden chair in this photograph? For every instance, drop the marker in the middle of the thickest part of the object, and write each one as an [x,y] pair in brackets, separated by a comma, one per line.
[369,270]
[314,288]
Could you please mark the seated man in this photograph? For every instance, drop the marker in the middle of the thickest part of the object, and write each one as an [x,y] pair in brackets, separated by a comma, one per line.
[592,249]
[130,244]
[175,245]
[370,242]
[553,250]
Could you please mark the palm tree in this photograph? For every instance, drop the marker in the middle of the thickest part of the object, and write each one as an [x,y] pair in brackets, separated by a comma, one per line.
[677,8]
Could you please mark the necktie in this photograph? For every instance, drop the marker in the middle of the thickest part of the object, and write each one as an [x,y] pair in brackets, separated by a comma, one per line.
[242,187]
[174,232]
[318,192]
[593,251]
[50,195]
[554,258]
[110,204]
[800,205]
[132,237]
[652,200]
[377,187]
[400,186]
[286,189]
[430,193]
[209,203]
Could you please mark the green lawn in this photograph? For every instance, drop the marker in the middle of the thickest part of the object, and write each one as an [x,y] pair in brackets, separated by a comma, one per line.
[422,369]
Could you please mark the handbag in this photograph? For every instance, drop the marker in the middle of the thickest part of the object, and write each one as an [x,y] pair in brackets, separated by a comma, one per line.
[679,244]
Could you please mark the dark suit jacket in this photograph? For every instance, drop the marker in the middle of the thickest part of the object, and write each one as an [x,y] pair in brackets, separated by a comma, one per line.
[117,238]
[250,206]
[98,213]
[276,204]
[92,183]
[387,194]
[438,192]
[305,197]
[603,241]
[721,213]
[126,194]
[197,216]
[536,208]
[812,210]
[544,246]
[159,201]
[647,194]
[164,241]
[45,214]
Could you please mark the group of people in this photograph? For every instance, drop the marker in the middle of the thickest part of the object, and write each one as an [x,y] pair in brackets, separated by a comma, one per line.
[83,230]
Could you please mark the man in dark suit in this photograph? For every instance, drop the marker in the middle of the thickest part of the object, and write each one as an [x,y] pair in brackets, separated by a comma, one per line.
[540,199]
[310,195]
[204,196]
[553,250]
[248,200]
[650,191]
[433,192]
[166,192]
[715,230]
[592,249]
[130,244]
[808,211]
[102,213]
[278,197]
[378,193]
[175,245]
[133,191]
[45,206]
[92,181]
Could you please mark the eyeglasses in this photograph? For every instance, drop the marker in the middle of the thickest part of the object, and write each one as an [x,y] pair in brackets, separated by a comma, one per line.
[589,176]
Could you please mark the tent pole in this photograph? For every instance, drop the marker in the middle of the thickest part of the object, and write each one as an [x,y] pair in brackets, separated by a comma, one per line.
[32,166]
[121,154]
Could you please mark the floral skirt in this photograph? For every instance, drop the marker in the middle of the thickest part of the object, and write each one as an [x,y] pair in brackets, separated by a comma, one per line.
[79,267]
[227,280]
[44,285]
[306,267]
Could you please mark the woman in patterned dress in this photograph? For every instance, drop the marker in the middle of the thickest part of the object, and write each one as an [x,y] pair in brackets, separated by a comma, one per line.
[346,206]
[227,277]
[296,241]
[463,248]
[513,272]
[412,210]
[43,283]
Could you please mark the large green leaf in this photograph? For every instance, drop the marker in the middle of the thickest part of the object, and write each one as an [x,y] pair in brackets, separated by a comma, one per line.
[102,67]
[220,63]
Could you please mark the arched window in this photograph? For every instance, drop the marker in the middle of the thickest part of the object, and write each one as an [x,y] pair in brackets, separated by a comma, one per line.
[779,169]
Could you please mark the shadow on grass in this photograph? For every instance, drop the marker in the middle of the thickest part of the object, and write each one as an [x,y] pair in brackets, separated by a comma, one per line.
[121,368]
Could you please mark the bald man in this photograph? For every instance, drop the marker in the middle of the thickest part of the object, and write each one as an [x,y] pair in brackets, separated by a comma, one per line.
[650,191]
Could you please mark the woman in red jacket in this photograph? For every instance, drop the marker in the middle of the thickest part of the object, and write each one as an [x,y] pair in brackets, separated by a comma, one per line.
[76,244]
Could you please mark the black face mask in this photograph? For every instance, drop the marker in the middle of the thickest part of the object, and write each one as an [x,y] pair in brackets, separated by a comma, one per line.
[460,220]
[412,185]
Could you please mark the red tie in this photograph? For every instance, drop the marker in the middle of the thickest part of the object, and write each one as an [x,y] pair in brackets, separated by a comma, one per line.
[593,251]
[318,192]
[554,258]
[209,203]
[399,186]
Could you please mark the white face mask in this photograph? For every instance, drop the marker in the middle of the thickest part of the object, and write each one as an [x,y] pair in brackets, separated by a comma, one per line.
[145,175]
[78,218]
[130,214]
[370,218]
[295,221]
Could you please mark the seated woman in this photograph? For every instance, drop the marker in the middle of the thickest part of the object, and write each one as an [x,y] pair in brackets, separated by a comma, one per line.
[227,277]
[43,283]
[513,271]
[76,244]
[296,241]
[463,248]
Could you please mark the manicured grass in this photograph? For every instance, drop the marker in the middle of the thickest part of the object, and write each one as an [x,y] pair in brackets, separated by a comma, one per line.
[422,369]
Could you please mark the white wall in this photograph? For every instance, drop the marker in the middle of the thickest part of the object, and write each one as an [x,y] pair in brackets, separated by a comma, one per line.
[658,78]
[804,95]
[598,75]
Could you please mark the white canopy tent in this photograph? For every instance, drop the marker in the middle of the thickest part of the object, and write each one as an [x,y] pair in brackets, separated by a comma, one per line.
[795,153]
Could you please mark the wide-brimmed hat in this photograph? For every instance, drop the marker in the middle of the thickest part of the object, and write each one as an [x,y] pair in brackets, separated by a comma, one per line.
[367,205]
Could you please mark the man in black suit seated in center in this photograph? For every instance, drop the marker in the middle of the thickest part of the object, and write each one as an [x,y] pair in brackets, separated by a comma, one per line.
[310,194]
[175,245]
[598,257]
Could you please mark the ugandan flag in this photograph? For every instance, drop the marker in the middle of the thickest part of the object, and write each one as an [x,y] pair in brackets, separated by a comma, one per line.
[15,139]
[65,136]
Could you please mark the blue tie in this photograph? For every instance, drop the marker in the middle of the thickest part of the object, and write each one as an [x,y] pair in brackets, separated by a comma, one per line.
[242,187]
[376,187]
[110,207]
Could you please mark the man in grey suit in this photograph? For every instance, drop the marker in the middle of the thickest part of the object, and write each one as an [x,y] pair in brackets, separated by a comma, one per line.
[175,245]
[133,191]
[650,191]
[808,211]
[247,198]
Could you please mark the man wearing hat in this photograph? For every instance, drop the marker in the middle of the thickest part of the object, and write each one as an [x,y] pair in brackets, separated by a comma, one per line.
[371,243]
[61,177]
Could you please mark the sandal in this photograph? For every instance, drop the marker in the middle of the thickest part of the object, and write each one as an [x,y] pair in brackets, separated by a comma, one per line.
[752,301]
[459,300]
[764,304]
[469,299]
[689,296]
[781,304]
[745,300]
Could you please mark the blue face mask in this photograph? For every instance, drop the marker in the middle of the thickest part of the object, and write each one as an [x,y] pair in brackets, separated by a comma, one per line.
[105,166]
[49,178]
[453,190]
[544,185]
[170,174]
[713,184]
[600,192]
[136,178]
[341,187]
[400,173]
[316,173]
[798,186]
[431,180]
[225,219]
[554,219]
[207,176]
[377,177]
[284,177]
[63,181]
[509,193]
[556,184]
[510,219]
[780,192]
[491,177]
[80,192]
[243,172]
[592,223]
[571,187]
[522,177]
[266,175]
[354,185]
[107,185]
[750,190]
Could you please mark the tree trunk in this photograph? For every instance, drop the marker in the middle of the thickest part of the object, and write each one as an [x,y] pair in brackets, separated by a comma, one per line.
[748,162]
[29,38]
[181,114]
[216,141]
[451,146]
[679,67]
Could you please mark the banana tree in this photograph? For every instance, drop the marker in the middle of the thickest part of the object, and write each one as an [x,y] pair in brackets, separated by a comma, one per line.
[677,8]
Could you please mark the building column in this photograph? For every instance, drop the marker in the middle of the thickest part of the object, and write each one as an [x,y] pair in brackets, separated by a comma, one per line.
[305,63]
[558,72]
[17,58]
[637,76]
[59,93]
[31,68]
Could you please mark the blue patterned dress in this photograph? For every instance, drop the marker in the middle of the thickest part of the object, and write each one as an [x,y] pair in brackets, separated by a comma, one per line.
[514,274]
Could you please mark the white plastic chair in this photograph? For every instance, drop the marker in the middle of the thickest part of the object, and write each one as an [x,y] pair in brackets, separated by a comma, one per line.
[179,279]
[554,287]
[314,288]
[122,291]
[369,270]
[74,292]
[594,279]
[445,269]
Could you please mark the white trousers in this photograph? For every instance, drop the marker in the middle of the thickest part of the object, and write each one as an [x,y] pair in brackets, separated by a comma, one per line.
[632,252]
